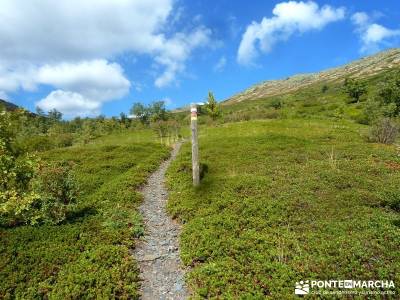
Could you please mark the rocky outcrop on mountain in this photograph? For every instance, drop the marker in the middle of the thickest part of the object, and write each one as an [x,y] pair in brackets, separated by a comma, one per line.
[364,67]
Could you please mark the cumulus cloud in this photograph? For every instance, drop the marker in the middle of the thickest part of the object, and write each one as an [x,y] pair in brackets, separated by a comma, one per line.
[177,50]
[47,30]
[372,35]
[97,79]
[220,65]
[70,45]
[88,83]
[70,103]
[288,18]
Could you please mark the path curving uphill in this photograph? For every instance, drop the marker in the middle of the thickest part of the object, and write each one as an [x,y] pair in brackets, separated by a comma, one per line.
[158,253]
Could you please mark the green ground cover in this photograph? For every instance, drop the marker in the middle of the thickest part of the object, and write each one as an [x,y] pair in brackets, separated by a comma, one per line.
[87,256]
[283,201]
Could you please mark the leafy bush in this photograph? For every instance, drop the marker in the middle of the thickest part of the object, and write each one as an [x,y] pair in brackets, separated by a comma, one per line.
[15,195]
[212,107]
[58,191]
[35,192]
[354,89]
[389,95]
[384,131]
[276,103]
[63,140]
[34,143]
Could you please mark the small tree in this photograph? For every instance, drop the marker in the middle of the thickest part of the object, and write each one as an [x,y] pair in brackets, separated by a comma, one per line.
[354,89]
[153,112]
[212,107]
[157,111]
[140,112]
[389,95]
[124,120]
[54,116]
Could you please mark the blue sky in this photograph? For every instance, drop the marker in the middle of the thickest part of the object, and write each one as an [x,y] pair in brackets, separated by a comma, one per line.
[90,57]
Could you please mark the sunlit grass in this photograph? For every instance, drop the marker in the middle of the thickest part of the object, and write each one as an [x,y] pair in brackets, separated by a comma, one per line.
[283,201]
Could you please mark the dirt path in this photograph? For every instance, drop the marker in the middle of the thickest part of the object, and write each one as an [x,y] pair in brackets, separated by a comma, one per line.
[158,253]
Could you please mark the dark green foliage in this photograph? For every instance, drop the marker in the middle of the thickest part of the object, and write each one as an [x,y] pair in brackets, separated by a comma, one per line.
[276,103]
[354,89]
[140,112]
[324,88]
[58,192]
[153,112]
[86,256]
[212,107]
[388,95]
[391,199]
[283,201]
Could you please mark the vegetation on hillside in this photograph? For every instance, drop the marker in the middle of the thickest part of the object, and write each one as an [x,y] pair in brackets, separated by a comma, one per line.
[283,201]
[299,185]
[87,255]
[68,216]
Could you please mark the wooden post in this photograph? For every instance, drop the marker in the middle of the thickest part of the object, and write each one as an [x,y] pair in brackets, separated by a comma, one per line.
[195,145]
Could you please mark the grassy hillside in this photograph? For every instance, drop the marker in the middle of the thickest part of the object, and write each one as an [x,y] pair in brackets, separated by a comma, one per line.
[323,99]
[363,68]
[283,201]
[87,256]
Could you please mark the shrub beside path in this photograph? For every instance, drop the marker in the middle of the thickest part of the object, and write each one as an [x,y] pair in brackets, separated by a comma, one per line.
[158,253]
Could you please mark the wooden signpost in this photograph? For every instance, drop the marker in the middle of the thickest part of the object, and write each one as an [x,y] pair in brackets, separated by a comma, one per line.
[195,145]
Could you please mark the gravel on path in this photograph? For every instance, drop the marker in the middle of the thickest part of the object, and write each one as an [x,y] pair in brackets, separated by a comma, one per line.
[161,269]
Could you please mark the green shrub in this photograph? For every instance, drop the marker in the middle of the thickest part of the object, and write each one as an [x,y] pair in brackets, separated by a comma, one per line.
[37,193]
[63,140]
[56,185]
[392,200]
[324,88]
[212,107]
[276,103]
[389,94]
[354,89]
[34,143]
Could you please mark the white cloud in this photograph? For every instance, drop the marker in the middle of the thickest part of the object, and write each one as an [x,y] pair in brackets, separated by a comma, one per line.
[47,30]
[70,104]
[70,44]
[372,35]
[360,18]
[288,18]
[97,79]
[176,51]
[220,65]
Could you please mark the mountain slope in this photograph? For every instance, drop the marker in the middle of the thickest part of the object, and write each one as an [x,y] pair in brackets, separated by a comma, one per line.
[364,67]
[8,105]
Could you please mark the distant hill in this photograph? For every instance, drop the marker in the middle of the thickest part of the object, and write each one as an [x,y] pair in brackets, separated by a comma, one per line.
[364,67]
[8,105]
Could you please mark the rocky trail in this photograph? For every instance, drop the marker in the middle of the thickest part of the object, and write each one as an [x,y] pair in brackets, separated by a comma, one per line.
[161,270]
